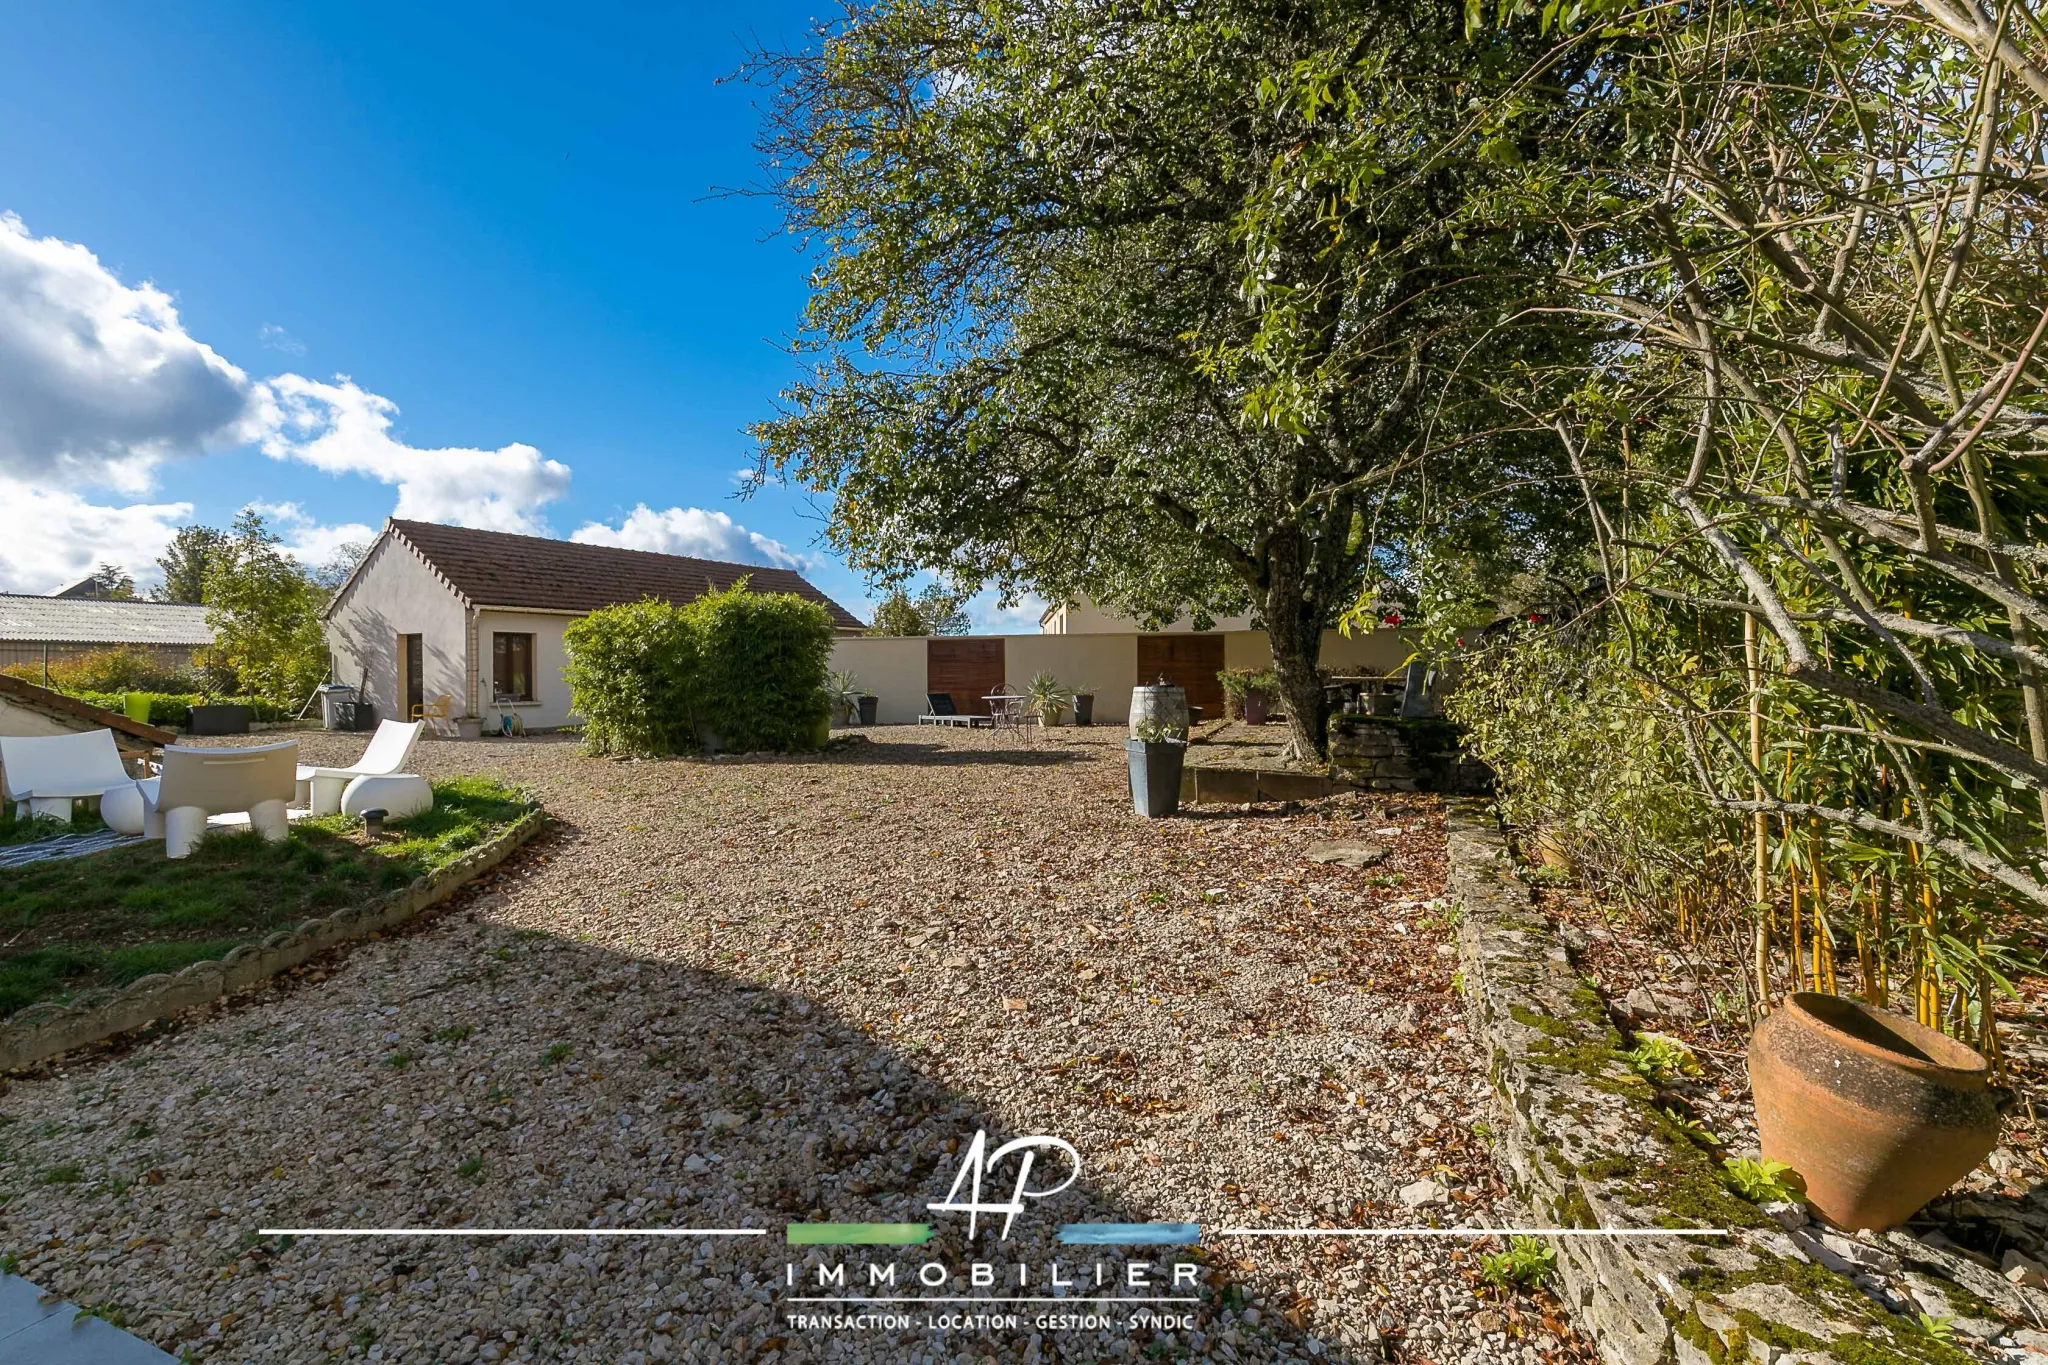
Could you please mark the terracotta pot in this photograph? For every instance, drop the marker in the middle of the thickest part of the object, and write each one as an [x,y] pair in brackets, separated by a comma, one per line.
[1878,1113]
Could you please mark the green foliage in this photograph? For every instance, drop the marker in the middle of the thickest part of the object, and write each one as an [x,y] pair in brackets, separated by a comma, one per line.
[631,673]
[163,708]
[1045,698]
[1153,730]
[1241,682]
[935,610]
[1757,1180]
[750,667]
[1656,1057]
[265,615]
[122,668]
[1173,336]
[1582,755]
[186,561]
[1526,1264]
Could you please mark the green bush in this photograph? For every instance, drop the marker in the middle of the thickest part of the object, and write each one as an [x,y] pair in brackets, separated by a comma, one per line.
[629,671]
[175,708]
[123,668]
[648,676]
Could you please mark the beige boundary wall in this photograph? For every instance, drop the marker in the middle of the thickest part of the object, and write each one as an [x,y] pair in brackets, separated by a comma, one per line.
[40,1032]
[893,666]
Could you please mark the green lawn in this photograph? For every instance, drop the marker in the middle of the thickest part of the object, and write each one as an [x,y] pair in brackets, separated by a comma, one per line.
[112,917]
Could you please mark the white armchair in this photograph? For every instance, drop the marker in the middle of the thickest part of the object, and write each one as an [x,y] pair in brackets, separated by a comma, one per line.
[48,772]
[320,789]
[196,783]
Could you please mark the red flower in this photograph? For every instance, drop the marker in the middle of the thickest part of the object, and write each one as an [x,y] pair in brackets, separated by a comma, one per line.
[1392,618]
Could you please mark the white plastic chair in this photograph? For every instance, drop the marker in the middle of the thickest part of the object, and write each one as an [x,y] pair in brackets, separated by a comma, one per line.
[320,788]
[48,772]
[196,783]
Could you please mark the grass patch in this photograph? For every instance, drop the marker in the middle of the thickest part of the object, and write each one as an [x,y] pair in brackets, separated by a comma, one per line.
[28,828]
[108,919]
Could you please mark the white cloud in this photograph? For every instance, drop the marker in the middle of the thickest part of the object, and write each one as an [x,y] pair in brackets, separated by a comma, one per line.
[344,429]
[991,619]
[99,381]
[277,338]
[50,536]
[689,531]
[309,542]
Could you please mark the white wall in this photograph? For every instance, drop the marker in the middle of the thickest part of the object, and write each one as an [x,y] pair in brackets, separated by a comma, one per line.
[1085,618]
[550,707]
[396,594]
[893,666]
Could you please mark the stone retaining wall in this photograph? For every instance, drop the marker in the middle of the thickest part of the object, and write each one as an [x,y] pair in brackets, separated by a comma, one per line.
[41,1031]
[1585,1144]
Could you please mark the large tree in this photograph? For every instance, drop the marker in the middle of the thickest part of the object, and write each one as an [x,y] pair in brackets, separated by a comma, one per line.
[1171,307]
[185,562]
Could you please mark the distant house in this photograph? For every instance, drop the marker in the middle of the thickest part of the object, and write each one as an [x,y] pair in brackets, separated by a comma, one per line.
[41,630]
[478,616]
[1083,617]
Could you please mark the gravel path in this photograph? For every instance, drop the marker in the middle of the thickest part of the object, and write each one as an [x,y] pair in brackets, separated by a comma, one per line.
[749,992]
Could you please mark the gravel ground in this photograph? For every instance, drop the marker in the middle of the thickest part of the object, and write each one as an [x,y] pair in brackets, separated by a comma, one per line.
[748,992]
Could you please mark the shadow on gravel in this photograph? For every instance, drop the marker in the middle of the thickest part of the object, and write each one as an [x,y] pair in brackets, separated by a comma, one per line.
[552,1083]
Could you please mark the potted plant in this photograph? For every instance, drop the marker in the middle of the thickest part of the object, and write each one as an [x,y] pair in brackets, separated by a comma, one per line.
[1084,705]
[1157,750]
[843,696]
[218,718]
[1249,694]
[1045,698]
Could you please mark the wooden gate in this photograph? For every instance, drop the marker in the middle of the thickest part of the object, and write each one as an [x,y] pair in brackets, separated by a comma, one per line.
[967,668]
[1190,662]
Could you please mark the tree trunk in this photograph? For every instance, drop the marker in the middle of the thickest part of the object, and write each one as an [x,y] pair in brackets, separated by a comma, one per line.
[1296,631]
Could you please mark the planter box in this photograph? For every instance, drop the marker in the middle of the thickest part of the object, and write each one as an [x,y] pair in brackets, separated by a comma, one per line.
[219,720]
[1155,776]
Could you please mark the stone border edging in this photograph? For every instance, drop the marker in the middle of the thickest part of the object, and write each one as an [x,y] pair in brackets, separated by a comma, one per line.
[41,1031]
[1585,1144]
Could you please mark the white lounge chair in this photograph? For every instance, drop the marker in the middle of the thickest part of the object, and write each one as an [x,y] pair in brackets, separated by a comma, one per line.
[48,772]
[320,789]
[196,783]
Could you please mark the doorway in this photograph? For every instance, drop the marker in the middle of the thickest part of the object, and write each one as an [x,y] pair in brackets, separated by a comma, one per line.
[411,688]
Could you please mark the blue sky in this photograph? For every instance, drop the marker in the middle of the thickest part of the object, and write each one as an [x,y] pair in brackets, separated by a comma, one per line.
[501,224]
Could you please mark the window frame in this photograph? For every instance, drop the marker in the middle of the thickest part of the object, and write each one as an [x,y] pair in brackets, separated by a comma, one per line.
[502,648]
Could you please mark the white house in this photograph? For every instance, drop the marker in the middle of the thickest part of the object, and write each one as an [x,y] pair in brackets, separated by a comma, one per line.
[478,616]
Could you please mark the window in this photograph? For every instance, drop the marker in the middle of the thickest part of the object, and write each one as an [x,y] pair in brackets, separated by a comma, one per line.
[512,667]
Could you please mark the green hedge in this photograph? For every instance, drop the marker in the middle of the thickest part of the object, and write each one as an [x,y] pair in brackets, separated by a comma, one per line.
[651,678]
[175,708]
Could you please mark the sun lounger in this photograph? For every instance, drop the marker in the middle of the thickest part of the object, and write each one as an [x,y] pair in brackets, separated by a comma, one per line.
[320,789]
[942,712]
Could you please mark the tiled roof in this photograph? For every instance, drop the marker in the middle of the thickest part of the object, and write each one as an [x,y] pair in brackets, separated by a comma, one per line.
[101,621]
[496,569]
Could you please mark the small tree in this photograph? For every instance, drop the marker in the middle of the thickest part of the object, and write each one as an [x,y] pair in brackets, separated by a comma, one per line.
[265,615]
[185,562]
[934,611]
[110,580]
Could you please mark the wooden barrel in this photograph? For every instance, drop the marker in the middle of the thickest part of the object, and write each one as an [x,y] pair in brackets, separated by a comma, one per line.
[1162,702]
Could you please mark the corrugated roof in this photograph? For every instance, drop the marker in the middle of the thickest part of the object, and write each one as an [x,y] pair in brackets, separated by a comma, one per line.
[496,569]
[101,621]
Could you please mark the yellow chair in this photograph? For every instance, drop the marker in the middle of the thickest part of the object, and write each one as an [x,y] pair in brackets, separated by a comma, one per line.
[439,714]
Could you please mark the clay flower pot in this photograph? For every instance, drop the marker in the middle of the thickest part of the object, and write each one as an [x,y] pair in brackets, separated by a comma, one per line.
[1877,1112]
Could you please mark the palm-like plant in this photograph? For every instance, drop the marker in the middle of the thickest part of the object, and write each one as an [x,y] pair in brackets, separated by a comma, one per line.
[1045,698]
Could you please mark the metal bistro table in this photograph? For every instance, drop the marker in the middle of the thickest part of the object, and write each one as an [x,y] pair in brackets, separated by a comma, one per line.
[1007,711]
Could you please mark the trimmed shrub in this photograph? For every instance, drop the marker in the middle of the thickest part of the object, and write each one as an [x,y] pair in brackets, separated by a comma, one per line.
[761,666]
[630,669]
[649,677]
[175,708]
